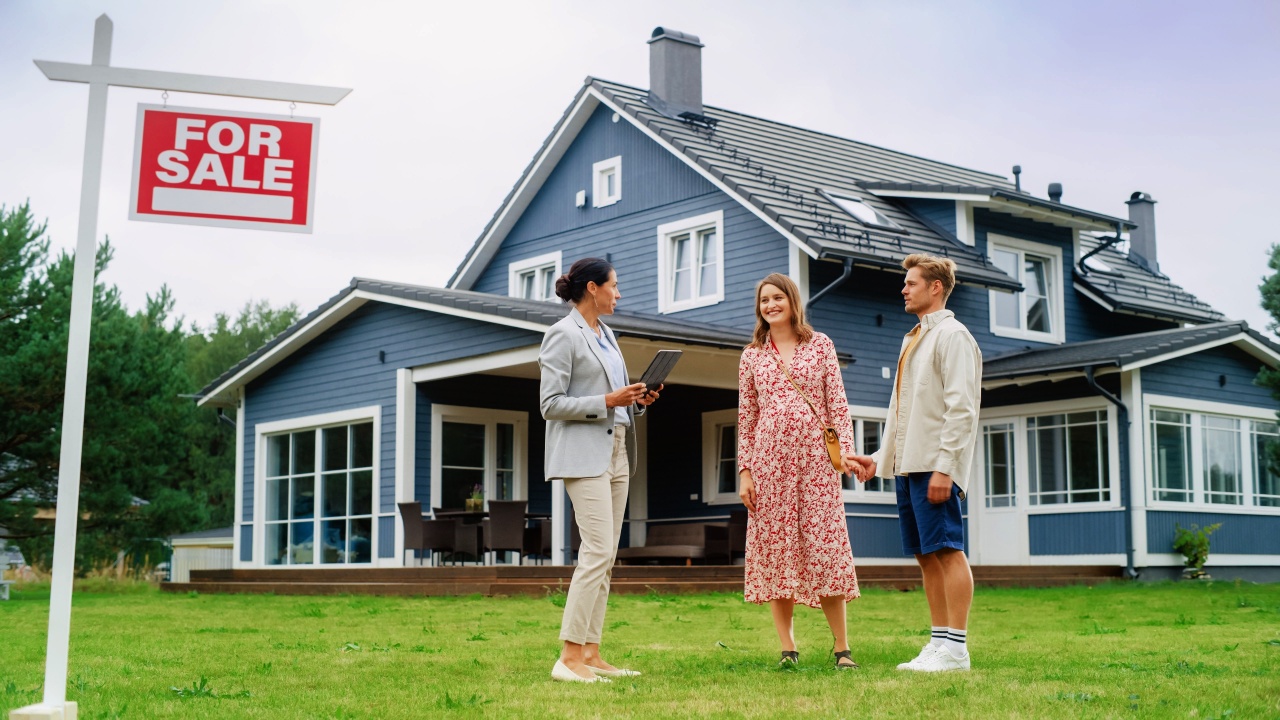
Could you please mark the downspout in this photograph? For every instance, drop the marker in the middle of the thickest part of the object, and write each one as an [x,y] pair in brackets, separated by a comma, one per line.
[1122,414]
[1084,269]
[848,270]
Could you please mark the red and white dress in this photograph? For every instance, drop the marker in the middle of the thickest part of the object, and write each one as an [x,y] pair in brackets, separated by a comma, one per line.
[797,539]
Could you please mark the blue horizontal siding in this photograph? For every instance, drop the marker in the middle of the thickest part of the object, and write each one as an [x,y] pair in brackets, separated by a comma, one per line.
[875,537]
[1197,377]
[1239,534]
[1085,533]
[246,543]
[940,212]
[387,536]
[341,370]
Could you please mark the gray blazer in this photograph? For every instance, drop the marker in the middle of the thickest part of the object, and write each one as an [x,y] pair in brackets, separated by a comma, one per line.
[575,380]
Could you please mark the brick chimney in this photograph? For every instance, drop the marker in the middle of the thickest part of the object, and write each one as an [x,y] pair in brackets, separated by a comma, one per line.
[675,73]
[1142,240]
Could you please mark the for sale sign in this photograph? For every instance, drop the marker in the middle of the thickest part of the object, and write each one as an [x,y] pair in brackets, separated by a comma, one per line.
[227,169]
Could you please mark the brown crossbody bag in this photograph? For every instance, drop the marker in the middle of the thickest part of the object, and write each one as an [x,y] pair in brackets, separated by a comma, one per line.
[829,435]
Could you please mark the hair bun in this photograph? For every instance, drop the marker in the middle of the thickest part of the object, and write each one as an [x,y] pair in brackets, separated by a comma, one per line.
[564,287]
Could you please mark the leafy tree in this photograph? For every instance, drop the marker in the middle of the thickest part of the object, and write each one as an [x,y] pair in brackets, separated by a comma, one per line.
[1268,377]
[153,464]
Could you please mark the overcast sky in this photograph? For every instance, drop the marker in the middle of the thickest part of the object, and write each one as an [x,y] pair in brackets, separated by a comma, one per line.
[451,100]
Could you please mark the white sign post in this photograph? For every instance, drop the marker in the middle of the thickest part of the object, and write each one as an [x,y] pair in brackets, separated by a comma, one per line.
[100,75]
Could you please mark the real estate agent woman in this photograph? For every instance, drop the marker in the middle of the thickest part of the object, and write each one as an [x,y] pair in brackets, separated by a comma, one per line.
[589,408]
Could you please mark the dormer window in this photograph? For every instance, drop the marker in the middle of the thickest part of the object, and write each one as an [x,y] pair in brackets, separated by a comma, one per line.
[861,211]
[607,187]
[1036,313]
[534,278]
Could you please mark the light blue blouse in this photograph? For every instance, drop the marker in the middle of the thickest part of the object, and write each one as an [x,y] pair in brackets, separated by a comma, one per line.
[617,373]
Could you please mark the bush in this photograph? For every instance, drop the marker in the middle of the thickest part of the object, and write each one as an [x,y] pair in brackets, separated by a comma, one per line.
[1193,543]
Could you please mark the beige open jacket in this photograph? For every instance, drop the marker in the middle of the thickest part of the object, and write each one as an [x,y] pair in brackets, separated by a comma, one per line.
[933,416]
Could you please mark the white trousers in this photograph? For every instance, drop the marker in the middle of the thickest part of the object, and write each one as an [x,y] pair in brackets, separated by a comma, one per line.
[600,504]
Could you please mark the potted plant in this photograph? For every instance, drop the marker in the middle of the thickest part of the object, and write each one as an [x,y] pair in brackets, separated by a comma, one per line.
[1193,543]
[475,503]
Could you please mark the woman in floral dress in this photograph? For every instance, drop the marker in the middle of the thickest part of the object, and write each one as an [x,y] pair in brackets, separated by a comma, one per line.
[797,540]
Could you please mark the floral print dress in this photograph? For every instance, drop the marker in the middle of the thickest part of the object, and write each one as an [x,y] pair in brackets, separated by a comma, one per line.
[797,539]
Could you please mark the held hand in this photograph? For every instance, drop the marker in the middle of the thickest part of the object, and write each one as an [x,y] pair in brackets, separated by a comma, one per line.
[939,488]
[862,466]
[747,490]
[649,396]
[624,396]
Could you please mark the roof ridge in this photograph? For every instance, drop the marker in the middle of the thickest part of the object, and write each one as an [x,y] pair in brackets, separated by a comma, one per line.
[819,132]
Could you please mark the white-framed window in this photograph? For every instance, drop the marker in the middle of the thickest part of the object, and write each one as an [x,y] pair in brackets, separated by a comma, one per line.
[534,278]
[478,451]
[861,211]
[1036,313]
[318,483]
[1068,458]
[606,184]
[720,457]
[1210,456]
[867,434]
[1050,457]
[999,460]
[691,262]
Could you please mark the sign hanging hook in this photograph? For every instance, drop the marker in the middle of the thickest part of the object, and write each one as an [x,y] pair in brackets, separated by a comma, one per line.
[292,106]
[164,97]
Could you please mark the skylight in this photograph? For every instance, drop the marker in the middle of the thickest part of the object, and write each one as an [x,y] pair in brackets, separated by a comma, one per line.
[863,212]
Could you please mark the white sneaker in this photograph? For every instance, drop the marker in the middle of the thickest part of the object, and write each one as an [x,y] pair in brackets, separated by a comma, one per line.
[942,661]
[925,652]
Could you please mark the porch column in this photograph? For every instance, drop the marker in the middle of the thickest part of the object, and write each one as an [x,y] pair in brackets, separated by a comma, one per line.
[406,428]
[561,553]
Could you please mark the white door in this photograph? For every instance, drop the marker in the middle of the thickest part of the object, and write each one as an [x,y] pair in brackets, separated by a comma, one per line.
[997,525]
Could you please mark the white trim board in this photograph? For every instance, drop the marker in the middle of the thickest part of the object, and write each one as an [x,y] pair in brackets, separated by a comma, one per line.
[1244,341]
[476,365]
[555,149]
[519,267]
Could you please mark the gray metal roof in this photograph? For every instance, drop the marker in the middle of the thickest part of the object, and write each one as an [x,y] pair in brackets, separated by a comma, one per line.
[1131,288]
[544,313]
[1002,193]
[202,534]
[782,170]
[1115,352]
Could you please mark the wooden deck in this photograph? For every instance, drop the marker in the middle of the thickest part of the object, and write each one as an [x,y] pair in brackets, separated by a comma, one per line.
[539,580]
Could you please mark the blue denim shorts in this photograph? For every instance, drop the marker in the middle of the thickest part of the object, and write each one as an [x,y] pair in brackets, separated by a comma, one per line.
[927,527]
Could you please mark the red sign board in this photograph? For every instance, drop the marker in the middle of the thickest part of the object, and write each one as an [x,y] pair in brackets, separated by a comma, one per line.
[226,169]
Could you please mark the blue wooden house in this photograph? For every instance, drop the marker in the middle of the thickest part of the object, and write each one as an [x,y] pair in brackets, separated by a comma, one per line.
[1116,405]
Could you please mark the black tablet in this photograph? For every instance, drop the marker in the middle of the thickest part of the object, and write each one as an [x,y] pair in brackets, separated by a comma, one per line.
[657,372]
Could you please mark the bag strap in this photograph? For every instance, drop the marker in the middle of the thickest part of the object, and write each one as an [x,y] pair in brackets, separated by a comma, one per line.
[796,385]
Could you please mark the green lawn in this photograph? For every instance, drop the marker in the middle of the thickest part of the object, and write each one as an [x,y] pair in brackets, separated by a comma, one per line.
[1202,650]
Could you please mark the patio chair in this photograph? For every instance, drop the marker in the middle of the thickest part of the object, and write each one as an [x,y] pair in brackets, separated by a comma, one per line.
[537,540]
[504,529]
[434,536]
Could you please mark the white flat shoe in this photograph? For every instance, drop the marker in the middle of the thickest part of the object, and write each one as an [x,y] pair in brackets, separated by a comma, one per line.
[562,673]
[615,673]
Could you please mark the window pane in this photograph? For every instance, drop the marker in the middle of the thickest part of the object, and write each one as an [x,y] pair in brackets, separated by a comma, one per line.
[727,460]
[1050,458]
[277,455]
[278,499]
[334,541]
[525,283]
[1036,283]
[682,285]
[303,500]
[506,446]
[1222,460]
[1266,484]
[1006,261]
[333,503]
[456,485]
[1006,309]
[727,480]
[548,283]
[610,184]
[304,452]
[1171,450]
[362,445]
[362,492]
[506,489]
[462,445]
[871,430]
[999,471]
[1168,416]
[277,543]
[335,448]
[1086,464]
[708,283]
[359,543]
[301,545]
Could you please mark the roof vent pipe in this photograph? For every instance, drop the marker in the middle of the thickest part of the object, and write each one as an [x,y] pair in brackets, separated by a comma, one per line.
[1055,192]
[1142,239]
[675,73]
[1017,178]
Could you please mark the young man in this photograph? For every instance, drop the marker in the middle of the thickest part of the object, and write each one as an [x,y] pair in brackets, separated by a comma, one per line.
[927,447]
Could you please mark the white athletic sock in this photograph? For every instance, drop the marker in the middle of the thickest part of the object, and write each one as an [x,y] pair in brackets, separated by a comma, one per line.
[939,636]
[955,642]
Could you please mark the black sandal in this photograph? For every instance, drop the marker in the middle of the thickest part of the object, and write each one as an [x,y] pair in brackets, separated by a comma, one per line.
[846,655]
[789,659]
